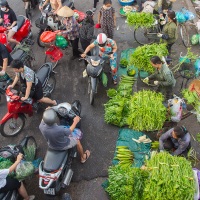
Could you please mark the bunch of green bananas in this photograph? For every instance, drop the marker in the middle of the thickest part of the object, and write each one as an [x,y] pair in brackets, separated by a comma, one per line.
[125,156]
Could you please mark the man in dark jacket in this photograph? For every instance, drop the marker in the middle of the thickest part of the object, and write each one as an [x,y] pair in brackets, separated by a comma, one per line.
[176,140]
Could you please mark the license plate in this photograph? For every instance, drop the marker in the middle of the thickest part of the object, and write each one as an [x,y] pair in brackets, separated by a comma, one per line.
[50,191]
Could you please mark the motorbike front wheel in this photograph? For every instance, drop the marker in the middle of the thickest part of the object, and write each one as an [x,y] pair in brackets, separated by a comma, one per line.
[12,127]
[40,44]
[31,145]
[90,92]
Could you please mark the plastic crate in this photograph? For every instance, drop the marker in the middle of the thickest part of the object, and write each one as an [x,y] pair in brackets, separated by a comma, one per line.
[54,53]
[129,3]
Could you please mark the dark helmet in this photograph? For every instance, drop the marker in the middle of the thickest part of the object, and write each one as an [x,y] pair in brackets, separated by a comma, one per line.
[3,3]
[49,117]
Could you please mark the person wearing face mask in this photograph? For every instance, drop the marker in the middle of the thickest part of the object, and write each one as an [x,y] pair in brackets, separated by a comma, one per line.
[72,29]
[107,18]
[107,50]
[9,20]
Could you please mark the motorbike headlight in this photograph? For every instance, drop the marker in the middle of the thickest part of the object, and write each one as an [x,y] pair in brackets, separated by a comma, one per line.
[62,111]
[95,63]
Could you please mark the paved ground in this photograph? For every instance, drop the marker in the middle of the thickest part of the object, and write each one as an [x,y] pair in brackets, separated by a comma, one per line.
[99,137]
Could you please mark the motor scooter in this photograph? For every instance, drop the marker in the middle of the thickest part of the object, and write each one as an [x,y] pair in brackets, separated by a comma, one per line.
[23,31]
[10,152]
[94,71]
[14,120]
[55,172]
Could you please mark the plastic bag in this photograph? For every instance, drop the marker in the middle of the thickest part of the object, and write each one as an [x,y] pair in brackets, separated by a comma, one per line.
[195,39]
[180,17]
[24,169]
[197,65]
[48,36]
[61,42]
[80,15]
[189,15]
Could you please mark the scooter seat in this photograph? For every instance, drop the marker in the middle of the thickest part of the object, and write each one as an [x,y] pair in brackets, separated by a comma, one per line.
[17,54]
[53,159]
[67,3]
[43,73]
[20,21]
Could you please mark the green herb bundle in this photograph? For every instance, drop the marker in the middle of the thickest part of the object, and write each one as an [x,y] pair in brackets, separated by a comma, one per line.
[117,108]
[126,183]
[147,112]
[170,178]
[29,152]
[142,55]
[140,19]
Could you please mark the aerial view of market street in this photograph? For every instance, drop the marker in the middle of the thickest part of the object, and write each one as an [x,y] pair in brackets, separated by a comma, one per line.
[100,99]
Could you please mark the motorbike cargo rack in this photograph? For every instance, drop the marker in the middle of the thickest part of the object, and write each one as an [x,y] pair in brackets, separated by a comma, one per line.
[54,53]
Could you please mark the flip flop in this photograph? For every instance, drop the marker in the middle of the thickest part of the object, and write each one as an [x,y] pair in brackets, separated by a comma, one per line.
[87,153]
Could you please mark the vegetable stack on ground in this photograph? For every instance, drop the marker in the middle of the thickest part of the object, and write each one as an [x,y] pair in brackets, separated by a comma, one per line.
[147,112]
[142,55]
[126,183]
[116,109]
[125,156]
[170,178]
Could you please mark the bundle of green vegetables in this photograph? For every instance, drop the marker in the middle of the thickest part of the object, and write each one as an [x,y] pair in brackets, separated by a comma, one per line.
[140,19]
[5,163]
[193,99]
[29,152]
[117,108]
[170,178]
[147,112]
[125,156]
[142,55]
[126,183]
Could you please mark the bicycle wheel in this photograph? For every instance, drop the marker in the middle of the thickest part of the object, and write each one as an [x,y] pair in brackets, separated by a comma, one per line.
[143,35]
[47,59]
[184,35]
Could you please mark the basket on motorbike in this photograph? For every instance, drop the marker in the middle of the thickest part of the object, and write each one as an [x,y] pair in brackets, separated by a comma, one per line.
[48,38]
[54,53]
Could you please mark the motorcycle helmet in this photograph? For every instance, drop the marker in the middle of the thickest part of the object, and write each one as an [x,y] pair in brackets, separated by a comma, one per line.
[49,117]
[101,39]
[3,3]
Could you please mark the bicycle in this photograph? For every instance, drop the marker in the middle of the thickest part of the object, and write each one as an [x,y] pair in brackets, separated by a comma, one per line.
[185,37]
[150,34]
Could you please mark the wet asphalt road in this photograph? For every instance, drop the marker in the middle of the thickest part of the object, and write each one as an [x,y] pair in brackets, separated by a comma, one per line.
[99,137]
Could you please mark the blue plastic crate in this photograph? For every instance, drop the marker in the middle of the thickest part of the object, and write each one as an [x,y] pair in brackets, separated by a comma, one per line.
[126,3]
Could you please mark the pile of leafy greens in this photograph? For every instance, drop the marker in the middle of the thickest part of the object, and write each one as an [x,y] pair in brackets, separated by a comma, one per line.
[147,112]
[142,55]
[140,19]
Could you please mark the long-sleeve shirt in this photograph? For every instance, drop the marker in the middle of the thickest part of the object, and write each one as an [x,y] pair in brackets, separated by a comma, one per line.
[72,28]
[171,31]
[87,31]
[164,76]
[180,144]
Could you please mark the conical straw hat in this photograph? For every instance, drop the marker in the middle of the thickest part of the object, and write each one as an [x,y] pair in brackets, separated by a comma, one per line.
[65,12]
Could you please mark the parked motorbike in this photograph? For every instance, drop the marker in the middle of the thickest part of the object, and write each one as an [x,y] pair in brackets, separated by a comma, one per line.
[49,21]
[55,171]
[24,31]
[10,152]
[14,120]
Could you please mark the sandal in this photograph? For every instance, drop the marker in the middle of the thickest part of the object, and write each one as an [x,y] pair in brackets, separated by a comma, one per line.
[115,82]
[87,153]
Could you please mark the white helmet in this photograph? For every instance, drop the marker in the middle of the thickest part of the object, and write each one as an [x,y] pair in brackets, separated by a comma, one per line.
[101,38]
